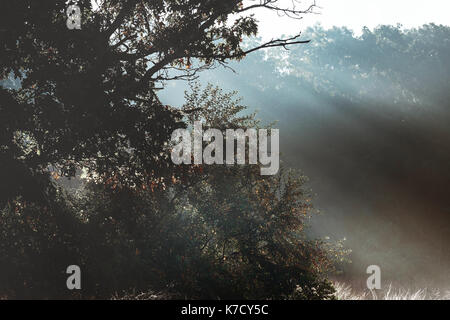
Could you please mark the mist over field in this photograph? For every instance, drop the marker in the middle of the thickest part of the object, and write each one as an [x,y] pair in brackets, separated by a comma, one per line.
[366,119]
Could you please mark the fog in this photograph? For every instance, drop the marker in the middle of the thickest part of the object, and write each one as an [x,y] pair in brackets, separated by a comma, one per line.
[366,119]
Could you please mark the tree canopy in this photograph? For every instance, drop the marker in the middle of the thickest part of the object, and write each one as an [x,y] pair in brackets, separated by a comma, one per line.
[87,97]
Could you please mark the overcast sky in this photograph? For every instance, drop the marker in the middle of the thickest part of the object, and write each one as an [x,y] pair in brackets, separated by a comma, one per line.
[356,14]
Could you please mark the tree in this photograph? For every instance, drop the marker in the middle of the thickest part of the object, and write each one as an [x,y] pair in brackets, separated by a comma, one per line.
[87,100]
[87,97]
[251,227]
[222,232]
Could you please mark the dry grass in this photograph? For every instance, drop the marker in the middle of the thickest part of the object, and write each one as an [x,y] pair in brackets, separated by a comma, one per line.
[143,296]
[345,292]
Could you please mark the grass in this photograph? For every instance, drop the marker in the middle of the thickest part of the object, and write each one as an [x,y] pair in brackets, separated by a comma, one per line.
[345,292]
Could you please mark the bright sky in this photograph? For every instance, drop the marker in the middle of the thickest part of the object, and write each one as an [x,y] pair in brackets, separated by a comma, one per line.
[356,14]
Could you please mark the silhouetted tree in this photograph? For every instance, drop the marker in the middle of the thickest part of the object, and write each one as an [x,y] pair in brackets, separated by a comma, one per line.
[87,96]
[85,99]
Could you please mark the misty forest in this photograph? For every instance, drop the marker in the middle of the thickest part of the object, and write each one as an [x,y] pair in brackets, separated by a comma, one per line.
[86,177]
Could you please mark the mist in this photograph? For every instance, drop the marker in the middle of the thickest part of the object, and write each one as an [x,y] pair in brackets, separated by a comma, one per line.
[366,119]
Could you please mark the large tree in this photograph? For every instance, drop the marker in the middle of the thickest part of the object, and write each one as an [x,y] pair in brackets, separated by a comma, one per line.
[87,97]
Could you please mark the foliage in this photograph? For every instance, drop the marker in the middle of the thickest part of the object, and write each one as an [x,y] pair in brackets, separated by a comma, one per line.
[87,96]
[223,232]
[85,100]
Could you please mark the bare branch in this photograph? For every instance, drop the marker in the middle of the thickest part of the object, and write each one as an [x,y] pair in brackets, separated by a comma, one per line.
[292,12]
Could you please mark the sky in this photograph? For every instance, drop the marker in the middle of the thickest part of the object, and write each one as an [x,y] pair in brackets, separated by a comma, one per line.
[355,14]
